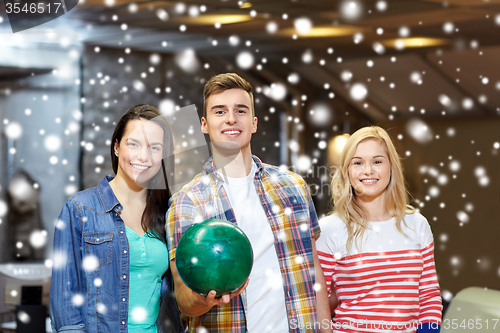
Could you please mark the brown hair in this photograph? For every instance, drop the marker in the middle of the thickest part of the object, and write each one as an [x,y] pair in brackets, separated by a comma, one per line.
[158,193]
[222,82]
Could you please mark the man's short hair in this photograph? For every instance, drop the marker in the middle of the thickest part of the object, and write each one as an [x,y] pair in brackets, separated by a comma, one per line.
[222,82]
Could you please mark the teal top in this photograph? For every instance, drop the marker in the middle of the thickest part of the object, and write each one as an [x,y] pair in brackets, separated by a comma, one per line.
[148,263]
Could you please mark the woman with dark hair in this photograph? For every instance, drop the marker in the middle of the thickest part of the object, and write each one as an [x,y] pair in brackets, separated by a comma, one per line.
[110,270]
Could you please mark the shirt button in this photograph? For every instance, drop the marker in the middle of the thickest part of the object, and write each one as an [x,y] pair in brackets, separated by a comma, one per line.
[121,232]
[143,253]
[124,251]
[97,239]
[124,276]
[123,323]
[123,299]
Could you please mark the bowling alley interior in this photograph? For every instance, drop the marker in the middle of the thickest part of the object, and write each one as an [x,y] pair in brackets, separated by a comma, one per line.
[424,70]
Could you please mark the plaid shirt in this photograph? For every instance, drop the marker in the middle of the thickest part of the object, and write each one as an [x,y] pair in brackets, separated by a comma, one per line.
[290,211]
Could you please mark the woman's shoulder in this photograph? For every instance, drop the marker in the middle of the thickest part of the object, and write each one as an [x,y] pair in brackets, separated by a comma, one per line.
[97,197]
[333,234]
[332,222]
[415,219]
[420,227]
[88,198]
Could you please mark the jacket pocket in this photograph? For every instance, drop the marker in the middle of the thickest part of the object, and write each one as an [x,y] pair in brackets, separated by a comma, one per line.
[100,246]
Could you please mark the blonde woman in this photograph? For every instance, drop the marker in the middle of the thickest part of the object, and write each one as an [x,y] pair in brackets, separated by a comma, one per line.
[376,251]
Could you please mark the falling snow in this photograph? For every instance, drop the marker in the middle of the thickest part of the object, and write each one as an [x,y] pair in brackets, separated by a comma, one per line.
[358,91]
[329,113]
[351,9]
[245,60]
[90,263]
[419,131]
[303,25]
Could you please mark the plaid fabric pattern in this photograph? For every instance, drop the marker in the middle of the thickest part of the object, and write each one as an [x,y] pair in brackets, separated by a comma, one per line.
[287,202]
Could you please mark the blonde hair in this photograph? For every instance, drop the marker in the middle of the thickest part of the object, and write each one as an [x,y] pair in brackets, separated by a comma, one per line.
[348,208]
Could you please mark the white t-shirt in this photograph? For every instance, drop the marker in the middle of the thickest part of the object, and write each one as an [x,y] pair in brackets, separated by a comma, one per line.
[266,310]
[394,281]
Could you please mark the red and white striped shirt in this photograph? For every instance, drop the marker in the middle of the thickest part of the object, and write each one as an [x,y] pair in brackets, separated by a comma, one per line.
[392,286]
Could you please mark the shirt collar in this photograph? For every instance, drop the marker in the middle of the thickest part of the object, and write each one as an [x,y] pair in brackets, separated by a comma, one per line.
[108,198]
[211,169]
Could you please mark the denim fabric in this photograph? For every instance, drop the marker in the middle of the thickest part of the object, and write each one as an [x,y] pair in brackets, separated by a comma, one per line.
[90,274]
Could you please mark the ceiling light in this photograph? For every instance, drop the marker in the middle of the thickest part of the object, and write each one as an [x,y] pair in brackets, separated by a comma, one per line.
[213,19]
[414,42]
[323,31]
[335,147]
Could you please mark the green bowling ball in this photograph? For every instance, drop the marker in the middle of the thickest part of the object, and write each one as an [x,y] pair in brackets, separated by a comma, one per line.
[214,255]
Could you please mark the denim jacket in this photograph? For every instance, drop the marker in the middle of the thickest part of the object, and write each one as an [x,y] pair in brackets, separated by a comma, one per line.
[90,274]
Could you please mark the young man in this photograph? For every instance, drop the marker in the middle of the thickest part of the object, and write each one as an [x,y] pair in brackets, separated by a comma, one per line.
[286,290]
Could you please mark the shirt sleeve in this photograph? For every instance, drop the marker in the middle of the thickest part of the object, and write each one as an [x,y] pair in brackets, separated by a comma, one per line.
[429,291]
[181,215]
[313,217]
[67,292]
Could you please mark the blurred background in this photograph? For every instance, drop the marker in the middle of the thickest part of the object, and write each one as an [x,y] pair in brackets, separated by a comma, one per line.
[426,70]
